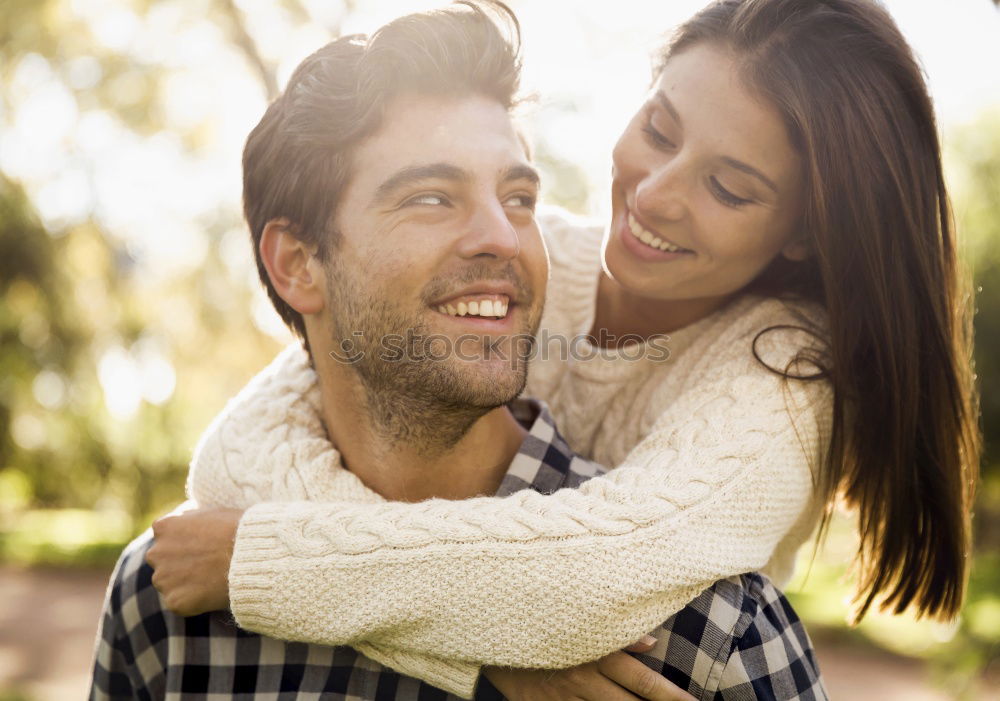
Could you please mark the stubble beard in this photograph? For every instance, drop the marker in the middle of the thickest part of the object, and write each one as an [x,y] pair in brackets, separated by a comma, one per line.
[425,403]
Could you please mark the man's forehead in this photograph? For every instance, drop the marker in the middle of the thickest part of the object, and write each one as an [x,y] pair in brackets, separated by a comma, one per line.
[473,133]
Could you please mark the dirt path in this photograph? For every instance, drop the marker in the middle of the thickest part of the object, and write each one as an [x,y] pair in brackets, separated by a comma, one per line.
[48,620]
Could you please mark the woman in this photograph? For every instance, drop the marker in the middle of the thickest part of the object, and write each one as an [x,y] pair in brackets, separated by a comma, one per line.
[779,211]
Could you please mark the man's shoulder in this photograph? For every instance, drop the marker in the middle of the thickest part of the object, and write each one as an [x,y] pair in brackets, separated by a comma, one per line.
[134,610]
[132,579]
[771,655]
[739,636]
[128,661]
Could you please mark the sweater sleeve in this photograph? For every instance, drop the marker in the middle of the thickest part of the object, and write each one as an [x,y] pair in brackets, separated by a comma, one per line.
[546,581]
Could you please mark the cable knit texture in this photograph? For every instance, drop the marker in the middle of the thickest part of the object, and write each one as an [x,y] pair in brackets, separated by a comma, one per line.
[715,464]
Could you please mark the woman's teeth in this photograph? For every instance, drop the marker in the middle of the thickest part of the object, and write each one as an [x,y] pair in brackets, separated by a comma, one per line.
[650,239]
[492,308]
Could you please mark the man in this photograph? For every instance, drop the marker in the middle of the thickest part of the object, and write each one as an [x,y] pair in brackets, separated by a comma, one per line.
[391,204]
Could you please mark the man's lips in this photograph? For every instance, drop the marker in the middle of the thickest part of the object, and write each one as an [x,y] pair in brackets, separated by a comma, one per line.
[486,306]
[492,290]
[484,299]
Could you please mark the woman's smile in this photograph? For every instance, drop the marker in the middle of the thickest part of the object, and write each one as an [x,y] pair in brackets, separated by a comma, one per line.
[643,243]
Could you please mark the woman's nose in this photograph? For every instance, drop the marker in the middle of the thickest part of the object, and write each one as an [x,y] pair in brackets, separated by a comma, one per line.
[662,193]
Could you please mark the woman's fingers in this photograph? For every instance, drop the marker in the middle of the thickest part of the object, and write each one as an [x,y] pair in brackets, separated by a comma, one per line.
[589,683]
[583,683]
[644,644]
[616,677]
[627,672]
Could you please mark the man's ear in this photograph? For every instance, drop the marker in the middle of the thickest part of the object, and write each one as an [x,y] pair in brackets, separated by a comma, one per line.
[797,250]
[295,272]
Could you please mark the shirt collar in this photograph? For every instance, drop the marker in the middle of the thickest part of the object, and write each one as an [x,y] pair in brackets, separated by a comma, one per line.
[544,462]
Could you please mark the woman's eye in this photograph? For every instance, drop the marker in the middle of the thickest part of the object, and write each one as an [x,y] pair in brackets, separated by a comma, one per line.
[656,137]
[725,196]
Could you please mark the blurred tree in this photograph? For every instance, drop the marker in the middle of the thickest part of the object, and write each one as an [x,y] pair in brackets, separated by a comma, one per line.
[110,367]
[39,345]
[974,169]
[973,165]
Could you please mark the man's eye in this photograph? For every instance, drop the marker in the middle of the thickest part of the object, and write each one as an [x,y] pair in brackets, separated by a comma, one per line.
[521,200]
[428,199]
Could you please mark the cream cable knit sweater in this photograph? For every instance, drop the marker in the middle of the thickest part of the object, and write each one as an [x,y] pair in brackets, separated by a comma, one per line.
[715,461]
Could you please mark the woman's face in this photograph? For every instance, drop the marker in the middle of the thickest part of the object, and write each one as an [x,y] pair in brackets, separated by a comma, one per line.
[707,188]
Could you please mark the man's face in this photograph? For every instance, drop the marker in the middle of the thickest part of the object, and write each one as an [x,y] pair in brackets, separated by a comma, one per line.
[438,277]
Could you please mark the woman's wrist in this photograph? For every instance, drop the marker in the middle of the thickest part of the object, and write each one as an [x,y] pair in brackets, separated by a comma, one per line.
[191,554]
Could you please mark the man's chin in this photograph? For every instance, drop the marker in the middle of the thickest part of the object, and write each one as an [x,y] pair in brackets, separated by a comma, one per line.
[487,384]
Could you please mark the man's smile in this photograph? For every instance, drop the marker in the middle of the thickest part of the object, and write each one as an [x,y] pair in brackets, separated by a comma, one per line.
[488,306]
[482,302]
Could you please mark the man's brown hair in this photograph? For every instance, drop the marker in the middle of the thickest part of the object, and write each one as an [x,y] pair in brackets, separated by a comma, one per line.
[297,160]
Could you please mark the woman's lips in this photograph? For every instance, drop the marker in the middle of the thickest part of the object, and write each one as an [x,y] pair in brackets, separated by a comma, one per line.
[634,244]
[649,238]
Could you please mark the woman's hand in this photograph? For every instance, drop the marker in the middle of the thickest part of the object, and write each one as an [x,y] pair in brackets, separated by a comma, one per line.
[616,677]
[190,558]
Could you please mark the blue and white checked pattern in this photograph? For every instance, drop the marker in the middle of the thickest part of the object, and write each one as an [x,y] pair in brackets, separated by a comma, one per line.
[739,639]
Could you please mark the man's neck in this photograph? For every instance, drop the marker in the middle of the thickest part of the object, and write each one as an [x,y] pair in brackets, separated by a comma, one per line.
[406,452]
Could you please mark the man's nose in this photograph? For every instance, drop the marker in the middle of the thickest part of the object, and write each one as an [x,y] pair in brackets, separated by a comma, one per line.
[489,232]
[663,192]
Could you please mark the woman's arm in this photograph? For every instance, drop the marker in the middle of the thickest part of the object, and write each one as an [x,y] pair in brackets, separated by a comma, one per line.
[679,480]
[544,581]
[191,554]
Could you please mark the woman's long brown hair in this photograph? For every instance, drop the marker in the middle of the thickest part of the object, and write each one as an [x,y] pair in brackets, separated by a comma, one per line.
[904,446]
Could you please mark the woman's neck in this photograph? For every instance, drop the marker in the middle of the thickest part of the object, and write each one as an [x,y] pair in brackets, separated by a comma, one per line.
[623,315]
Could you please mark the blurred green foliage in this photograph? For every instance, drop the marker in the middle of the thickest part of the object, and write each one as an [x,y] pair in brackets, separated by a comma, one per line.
[74,293]
[78,480]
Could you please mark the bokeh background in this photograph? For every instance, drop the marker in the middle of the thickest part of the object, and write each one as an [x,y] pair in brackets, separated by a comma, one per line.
[131,311]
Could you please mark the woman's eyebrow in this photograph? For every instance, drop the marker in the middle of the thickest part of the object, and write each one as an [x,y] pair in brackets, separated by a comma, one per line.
[750,170]
[662,98]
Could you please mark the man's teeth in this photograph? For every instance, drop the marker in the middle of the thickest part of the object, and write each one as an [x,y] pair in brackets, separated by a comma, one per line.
[650,239]
[486,307]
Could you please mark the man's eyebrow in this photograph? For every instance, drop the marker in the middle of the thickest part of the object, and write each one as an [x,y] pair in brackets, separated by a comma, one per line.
[662,98]
[415,174]
[521,172]
[750,170]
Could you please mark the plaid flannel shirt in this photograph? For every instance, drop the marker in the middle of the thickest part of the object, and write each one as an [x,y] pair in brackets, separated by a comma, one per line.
[739,639]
